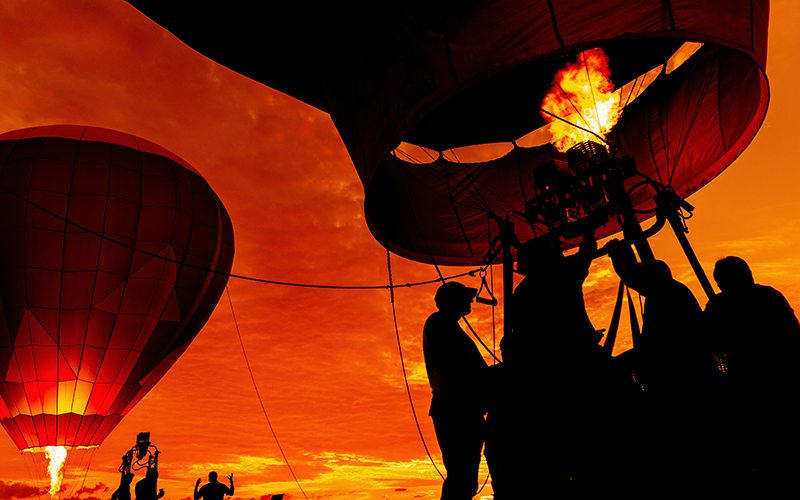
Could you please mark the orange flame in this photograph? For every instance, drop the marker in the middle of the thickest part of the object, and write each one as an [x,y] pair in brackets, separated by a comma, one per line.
[581,94]
[56,455]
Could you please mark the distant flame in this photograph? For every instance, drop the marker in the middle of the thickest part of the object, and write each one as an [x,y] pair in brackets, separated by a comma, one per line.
[56,455]
[582,94]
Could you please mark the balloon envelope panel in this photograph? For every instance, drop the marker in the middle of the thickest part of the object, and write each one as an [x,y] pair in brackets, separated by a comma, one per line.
[108,258]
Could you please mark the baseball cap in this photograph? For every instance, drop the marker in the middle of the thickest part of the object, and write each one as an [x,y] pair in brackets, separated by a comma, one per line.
[454,290]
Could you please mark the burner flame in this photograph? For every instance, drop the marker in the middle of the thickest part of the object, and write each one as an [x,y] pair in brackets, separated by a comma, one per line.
[56,455]
[582,94]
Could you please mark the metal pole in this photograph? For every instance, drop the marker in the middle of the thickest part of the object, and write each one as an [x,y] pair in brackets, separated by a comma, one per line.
[680,232]
[630,224]
[507,238]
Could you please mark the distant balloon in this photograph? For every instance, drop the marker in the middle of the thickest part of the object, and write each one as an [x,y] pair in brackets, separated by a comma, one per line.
[447,74]
[113,255]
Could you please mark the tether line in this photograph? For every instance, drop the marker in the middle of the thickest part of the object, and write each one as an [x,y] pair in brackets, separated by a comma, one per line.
[231,275]
[258,394]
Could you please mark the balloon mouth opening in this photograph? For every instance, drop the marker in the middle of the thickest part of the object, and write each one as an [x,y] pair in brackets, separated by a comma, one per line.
[43,449]
[489,119]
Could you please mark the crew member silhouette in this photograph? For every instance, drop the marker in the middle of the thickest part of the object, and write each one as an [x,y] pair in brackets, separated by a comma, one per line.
[755,336]
[457,374]
[213,490]
[146,488]
[124,490]
[541,434]
[548,311]
[753,325]
[670,359]
[671,364]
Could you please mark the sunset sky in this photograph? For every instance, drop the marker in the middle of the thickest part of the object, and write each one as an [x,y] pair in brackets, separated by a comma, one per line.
[326,362]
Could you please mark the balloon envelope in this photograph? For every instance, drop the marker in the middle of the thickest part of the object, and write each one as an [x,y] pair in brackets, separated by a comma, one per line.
[112,257]
[449,74]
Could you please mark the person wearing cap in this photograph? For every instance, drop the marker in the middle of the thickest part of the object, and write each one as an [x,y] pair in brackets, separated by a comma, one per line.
[457,374]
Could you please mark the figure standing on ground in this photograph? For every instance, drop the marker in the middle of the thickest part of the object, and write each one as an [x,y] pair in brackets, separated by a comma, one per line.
[755,336]
[457,374]
[146,488]
[213,490]
[541,430]
[671,365]
[124,490]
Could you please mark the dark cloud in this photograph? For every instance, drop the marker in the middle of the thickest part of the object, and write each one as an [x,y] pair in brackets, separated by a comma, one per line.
[94,489]
[13,489]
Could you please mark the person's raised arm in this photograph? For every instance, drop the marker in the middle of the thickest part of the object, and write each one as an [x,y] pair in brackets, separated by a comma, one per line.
[230,478]
[196,493]
[626,266]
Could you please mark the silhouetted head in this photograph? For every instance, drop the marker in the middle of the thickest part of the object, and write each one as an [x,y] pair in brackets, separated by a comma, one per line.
[212,477]
[537,252]
[455,298]
[658,271]
[732,273]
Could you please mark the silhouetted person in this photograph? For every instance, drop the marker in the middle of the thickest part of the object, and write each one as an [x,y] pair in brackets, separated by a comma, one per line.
[548,311]
[147,487]
[671,364]
[457,374]
[541,430]
[754,326]
[669,353]
[213,490]
[124,490]
[756,337]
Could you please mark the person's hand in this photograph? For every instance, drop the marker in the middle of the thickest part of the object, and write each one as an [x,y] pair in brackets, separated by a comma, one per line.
[230,477]
[161,492]
[198,482]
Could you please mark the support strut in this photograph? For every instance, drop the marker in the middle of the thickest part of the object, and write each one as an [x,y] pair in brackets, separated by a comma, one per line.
[671,203]
[628,221]
[507,238]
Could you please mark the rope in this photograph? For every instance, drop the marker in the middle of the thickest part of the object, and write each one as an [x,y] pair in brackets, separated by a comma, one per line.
[577,126]
[34,473]
[455,210]
[258,394]
[706,85]
[477,201]
[231,275]
[491,290]
[85,474]
[485,481]
[479,339]
[574,106]
[591,89]
[403,364]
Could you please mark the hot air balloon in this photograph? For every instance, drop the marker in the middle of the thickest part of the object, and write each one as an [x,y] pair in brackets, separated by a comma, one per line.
[113,256]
